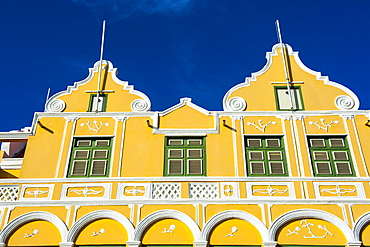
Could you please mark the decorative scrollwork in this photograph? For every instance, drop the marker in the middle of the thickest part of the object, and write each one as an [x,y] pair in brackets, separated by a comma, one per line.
[57,105]
[236,104]
[140,105]
[344,102]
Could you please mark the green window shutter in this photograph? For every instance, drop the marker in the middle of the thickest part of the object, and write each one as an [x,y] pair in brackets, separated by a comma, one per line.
[265,156]
[184,156]
[330,156]
[90,157]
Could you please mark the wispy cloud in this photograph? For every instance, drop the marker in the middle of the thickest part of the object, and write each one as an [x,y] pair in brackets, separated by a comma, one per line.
[120,9]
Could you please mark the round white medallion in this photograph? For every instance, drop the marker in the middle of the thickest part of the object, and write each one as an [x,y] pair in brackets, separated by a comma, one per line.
[57,105]
[344,102]
[139,105]
[236,104]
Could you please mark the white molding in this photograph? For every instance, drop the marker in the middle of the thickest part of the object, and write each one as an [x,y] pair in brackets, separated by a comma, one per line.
[286,218]
[33,216]
[234,214]
[290,186]
[360,224]
[50,188]
[290,52]
[359,189]
[113,72]
[105,195]
[11,163]
[96,215]
[167,214]
[147,191]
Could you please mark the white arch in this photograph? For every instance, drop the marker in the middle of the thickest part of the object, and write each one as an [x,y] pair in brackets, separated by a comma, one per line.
[167,214]
[234,214]
[96,215]
[33,216]
[360,224]
[309,213]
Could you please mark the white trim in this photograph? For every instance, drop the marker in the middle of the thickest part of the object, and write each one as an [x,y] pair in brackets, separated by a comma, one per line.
[234,214]
[106,195]
[283,219]
[25,186]
[96,215]
[360,148]
[235,190]
[360,224]
[113,72]
[33,216]
[152,218]
[352,151]
[11,163]
[359,189]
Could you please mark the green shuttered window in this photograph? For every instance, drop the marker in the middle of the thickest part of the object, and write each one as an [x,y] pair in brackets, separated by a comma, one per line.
[330,156]
[265,156]
[90,157]
[185,156]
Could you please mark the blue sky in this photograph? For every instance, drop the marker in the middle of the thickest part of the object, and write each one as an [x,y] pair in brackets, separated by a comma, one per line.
[170,49]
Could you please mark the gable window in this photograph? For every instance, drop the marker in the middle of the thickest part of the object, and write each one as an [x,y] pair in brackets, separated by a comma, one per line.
[283,98]
[97,103]
[90,157]
[265,156]
[330,156]
[185,156]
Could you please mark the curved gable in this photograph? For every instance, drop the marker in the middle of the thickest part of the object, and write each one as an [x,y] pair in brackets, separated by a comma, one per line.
[119,95]
[259,92]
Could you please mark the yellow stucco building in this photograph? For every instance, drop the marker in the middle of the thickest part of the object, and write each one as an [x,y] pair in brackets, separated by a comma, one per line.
[276,166]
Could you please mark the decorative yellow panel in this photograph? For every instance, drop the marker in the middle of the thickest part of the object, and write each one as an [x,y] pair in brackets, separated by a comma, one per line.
[104,231]
[311,232]
[36,233]
[168,231]
[36,193]
[338,190]
[94,191]
[262,125]
[235,232]
[270,190]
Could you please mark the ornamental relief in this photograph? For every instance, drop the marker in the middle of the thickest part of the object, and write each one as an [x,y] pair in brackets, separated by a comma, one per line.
[253,125]
[95,126]
[324,125]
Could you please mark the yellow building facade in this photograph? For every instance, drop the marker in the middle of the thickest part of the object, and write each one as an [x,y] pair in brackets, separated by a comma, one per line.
[286,162]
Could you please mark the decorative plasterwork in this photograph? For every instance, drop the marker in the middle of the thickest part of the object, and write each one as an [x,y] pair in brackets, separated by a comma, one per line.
[310,232]
[236,104]
[134,191]
[302,214]
[229,190]
[99,233]
[170,229]
[234,229]
[85,191]
[96,215]
[140,105]
[260,125]
[33,216]
[56,105]
[31,234]
[94,126]
[323,125]
[167,214]
[31,192]
[290,52]
[183,102]
[234,214]
[270,191]
[344,102]
[113,72]
[339,190]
